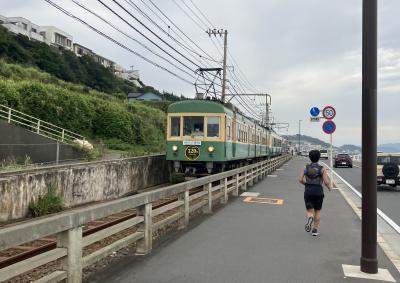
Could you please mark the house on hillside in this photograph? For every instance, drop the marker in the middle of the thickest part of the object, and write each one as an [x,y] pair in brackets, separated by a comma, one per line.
[56,37]
[21,25]
[147,96]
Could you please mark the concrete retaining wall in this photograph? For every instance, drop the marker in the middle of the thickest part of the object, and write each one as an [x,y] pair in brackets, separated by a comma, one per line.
[19,143]
[80,183]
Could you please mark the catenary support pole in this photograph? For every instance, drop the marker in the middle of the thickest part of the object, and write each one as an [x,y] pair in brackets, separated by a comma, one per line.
[369,262]
[224,66]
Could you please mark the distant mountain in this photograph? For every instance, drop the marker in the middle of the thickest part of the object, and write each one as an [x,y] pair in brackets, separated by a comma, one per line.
[389,147]
[350,148]
[307,139]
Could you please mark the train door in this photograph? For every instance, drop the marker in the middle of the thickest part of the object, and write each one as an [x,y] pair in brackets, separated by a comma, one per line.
[226,134]
[234,135]
[248,134]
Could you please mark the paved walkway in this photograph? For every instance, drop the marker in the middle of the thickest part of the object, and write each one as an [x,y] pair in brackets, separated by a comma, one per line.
[248,242]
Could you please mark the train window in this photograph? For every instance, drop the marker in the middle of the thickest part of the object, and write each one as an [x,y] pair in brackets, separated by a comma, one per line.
[175,126]
[213,127]
[193,126]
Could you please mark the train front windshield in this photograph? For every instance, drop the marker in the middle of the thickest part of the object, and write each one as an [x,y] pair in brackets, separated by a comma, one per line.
[193,126]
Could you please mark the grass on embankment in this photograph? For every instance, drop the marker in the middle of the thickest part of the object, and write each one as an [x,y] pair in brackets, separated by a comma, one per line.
[107,121]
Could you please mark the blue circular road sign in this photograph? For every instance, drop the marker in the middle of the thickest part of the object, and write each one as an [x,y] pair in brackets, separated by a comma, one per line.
[329,127]
[314,111]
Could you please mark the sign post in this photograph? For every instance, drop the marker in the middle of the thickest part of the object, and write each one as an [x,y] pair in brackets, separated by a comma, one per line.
[329,127]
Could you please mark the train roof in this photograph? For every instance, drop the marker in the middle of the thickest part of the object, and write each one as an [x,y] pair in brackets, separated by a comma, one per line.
[212,106]
[197,106]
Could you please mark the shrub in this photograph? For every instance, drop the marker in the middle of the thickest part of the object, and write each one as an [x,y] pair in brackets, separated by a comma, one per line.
[46,204]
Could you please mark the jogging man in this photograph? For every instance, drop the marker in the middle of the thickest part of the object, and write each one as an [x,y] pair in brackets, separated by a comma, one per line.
[312,177]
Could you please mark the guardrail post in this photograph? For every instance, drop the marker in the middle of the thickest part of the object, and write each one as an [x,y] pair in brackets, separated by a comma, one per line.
[235,192]
[225,188]
[62,135]
[72,241]
[260,171]
[144,245]
[208,207]
[184,221]
[245,181]
[9,116]
[251,180]
[38,127]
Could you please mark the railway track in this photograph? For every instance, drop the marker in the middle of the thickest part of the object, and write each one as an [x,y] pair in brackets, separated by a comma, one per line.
[19,253]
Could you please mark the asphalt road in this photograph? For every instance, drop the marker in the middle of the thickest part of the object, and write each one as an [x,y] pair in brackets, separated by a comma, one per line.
[388,197]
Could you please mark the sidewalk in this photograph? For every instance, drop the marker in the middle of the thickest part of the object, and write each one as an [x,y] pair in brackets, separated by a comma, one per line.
[251,242]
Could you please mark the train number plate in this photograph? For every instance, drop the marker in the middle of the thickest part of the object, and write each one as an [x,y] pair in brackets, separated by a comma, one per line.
[192,152]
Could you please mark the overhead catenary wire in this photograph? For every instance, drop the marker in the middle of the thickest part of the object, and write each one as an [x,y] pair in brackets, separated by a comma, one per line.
[151,31]
[207,57]
[183,44]
[145,36]
[116,42]
[130,37]
[247,82]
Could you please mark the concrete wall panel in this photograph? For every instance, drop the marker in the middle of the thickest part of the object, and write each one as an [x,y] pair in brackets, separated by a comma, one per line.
[80,183]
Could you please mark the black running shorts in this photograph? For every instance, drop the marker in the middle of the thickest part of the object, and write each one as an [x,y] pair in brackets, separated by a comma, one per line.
[313,201]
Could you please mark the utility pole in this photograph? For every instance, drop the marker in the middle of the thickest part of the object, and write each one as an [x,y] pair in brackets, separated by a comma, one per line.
[221,32]
[368,261]
[267,123]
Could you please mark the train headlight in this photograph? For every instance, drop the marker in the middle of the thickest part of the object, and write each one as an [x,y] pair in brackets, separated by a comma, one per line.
[174,148]
[211,149]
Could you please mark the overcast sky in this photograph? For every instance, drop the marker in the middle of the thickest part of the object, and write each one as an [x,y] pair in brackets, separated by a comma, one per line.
[303,52]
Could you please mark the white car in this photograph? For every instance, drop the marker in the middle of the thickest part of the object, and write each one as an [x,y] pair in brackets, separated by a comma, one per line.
[324,154]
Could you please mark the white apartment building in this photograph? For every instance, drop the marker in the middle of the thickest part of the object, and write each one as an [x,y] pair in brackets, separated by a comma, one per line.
[81,50]
[56,37]
[23,26]
[104,61]
[129,75]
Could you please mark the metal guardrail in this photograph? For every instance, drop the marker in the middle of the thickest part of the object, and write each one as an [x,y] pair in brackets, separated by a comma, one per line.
[68,225]
[38,126]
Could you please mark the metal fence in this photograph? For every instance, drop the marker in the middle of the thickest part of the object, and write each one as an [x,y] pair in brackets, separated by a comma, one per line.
[38,126]
[68,225]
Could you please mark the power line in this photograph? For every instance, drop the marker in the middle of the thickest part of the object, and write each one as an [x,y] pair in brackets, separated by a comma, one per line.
[188,49]
[142,34]
[151,31]
[208,57]
[130,37]
[116,42]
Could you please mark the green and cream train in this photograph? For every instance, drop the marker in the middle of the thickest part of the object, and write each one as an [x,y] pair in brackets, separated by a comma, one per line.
[205,136]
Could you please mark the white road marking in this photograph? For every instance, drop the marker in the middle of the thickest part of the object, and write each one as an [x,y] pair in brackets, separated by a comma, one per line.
[250,194]
[273,176]
[378,211]
[354,271]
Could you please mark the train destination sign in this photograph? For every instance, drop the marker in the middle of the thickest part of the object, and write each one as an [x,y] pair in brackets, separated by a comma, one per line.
[329,127]
[191,142]
[329,112]
[192,152]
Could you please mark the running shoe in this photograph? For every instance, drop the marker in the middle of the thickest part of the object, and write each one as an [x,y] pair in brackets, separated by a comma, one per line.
[314,232]
[309,223]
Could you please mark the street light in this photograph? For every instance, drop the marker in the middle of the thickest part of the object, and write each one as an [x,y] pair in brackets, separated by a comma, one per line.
[299,152]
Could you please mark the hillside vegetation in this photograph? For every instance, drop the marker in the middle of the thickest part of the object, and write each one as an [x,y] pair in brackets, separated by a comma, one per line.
[99,116]
[61,63]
